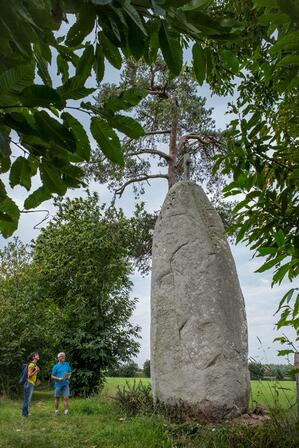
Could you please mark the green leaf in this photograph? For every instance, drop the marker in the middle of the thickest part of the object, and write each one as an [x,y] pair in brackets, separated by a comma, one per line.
[290,7]
[74,89]
[296,307]
[279,238]
[72,176]
[277,19]
[107,140]
[286,42]
[136,41]
[83,69]
[240,205]
[289,60]
[76,128]
[36,198]
[267,251]
[171,49]
[135,17]
[196,4]
[284,352]
[14,80]
[127,125]
[230,60]
[265,3]
[20,173]
[280,273]
[51,130]
[99,64]
[42,96]
[5,150]
[51,179]
[286,298]
[199,63]
[110,51]
[62,68]
[9,217]
[42,66]
[126,100]
[82,27]
[270,264]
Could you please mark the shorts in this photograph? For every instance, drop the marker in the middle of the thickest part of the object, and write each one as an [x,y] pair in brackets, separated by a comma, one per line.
[62,391]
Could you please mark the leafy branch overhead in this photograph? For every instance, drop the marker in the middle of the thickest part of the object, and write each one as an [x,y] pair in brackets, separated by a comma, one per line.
[41,118]
[263,153]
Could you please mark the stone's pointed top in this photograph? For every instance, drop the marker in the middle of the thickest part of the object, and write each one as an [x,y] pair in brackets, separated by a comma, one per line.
[198,322]
[190,199]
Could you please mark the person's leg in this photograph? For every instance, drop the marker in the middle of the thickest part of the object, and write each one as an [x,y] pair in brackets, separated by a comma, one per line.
[25,401]
[30,395]
[28,390]
[66,394]
[66,405]
[56,400]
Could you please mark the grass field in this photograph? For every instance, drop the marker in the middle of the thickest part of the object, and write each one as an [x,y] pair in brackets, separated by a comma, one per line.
[99,423]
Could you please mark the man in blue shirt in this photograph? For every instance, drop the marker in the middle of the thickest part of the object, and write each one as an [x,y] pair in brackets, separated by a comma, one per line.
[61,373]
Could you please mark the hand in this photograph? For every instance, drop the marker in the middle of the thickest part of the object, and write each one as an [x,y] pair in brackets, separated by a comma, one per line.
[37,369]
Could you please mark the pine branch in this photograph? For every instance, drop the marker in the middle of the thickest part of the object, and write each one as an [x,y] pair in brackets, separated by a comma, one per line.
[166,131]
[150,151]
[120,190]
[203,139]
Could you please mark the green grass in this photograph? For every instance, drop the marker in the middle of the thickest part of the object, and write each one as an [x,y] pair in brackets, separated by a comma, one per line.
[274,394]
[98,423]
[92,423]
[269,394]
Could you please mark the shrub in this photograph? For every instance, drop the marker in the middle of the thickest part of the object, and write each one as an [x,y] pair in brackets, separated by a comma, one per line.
[135,398]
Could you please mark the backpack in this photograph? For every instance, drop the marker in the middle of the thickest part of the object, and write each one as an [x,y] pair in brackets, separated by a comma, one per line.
[23,376]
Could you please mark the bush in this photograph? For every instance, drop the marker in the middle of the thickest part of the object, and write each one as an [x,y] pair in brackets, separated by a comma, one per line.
[135,398]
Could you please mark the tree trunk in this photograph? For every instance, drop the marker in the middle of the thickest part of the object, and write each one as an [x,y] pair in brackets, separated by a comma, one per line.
[172,164]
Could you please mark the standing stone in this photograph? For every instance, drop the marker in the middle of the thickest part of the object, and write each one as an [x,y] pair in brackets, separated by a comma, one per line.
[199,351]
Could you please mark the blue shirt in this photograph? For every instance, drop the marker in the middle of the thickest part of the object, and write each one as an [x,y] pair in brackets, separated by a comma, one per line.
[59,370]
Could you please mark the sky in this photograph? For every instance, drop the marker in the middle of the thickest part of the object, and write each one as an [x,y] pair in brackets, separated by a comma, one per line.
[260,299]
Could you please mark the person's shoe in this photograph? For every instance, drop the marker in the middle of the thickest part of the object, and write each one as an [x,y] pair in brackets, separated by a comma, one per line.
[66,412]
[56,412]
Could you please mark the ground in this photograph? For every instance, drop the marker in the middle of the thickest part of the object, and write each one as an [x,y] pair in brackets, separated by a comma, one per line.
[99,422]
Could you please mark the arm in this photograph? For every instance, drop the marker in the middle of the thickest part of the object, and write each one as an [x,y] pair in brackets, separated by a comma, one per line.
[53,375]
[55,378]
[32,371]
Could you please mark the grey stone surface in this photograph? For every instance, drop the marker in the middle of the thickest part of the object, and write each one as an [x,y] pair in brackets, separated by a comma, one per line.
[199,343]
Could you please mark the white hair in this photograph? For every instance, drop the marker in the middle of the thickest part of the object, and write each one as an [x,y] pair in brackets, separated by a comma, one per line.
[60,354]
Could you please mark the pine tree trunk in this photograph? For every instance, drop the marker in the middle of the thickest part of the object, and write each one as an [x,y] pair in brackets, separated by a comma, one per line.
[172,164]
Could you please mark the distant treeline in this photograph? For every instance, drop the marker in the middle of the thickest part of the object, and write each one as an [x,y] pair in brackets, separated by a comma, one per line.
[130,370]
[259,371]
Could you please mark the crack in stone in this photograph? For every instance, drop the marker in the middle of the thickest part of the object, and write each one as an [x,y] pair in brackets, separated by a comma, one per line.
[211,363]
[177,250]
[182,326]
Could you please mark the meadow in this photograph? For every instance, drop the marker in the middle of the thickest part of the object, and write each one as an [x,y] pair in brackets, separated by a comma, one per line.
[99,422]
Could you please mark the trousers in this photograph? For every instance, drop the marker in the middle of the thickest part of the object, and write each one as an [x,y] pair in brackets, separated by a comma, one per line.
[28,390]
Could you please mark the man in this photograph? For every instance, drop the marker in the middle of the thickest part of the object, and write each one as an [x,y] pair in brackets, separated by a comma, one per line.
[32,371]
[61,373]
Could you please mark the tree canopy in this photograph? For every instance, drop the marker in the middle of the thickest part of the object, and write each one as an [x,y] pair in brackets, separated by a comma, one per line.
[40,130]
[70,293]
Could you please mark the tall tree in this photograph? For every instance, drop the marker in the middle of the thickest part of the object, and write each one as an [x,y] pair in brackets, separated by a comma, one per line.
[176,124]
[83,263]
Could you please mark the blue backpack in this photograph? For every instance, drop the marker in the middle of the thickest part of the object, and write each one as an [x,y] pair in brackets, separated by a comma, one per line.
[23,377]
